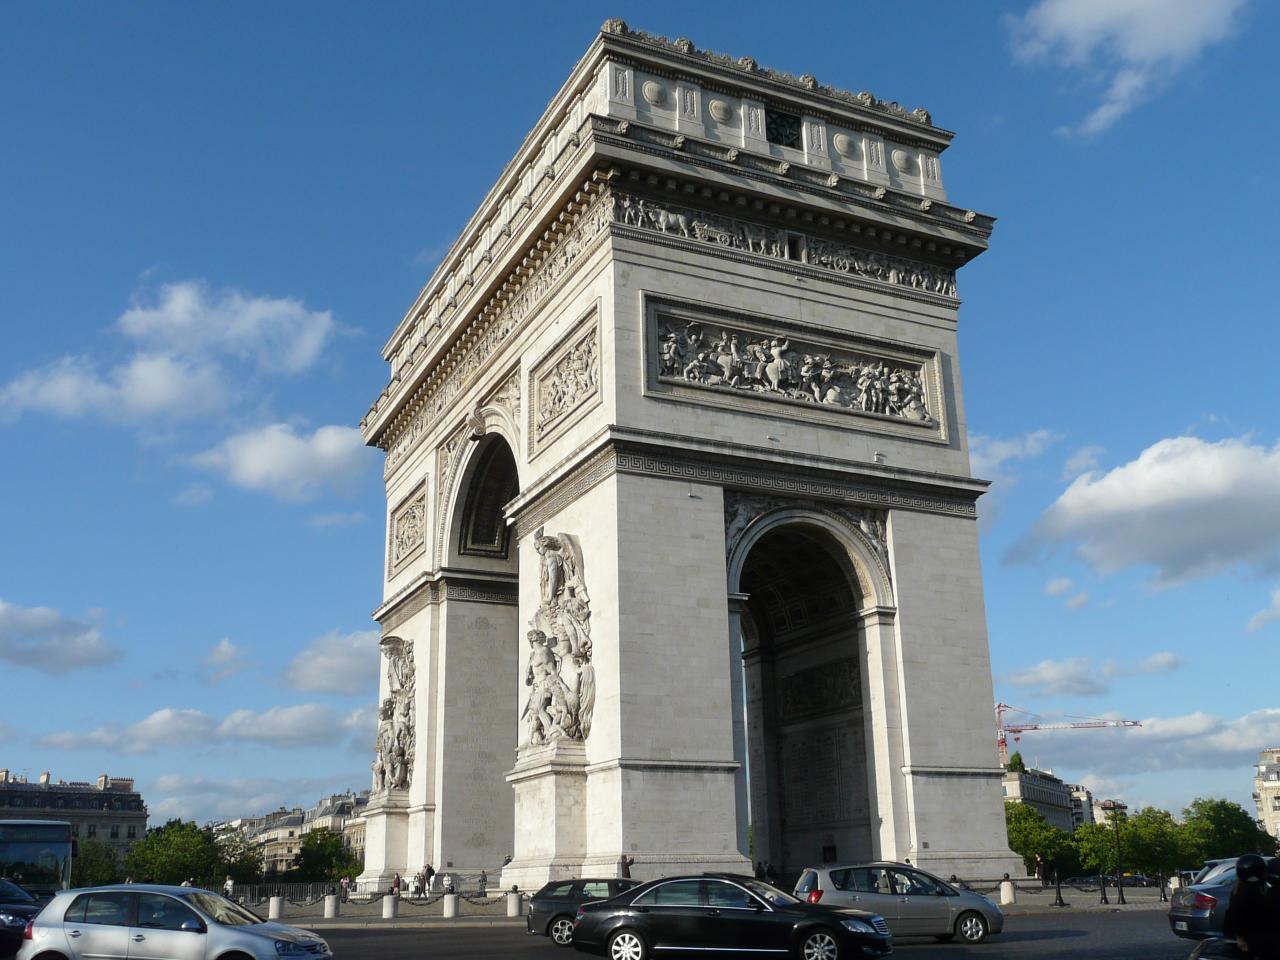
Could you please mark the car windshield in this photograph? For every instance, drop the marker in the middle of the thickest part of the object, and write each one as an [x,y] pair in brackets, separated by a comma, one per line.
[769,893]
[11,891]
[221,910]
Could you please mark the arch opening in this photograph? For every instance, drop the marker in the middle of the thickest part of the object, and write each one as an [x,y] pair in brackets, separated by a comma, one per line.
[803,649]
[494,481]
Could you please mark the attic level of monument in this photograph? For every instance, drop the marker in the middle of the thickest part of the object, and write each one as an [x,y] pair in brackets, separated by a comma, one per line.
[861,160]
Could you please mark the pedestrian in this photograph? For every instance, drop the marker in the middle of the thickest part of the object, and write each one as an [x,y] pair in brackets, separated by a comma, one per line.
[345,884]
[759,870]
[446,883]
[624,866]
[1041,873]
[1246,920]
[430,871]
[228,887]
[770,875]
[395,885]
[484,882]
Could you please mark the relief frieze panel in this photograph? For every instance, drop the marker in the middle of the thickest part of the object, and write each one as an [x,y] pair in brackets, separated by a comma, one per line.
[748,237]
[773,364]
[408,531]
[564,382]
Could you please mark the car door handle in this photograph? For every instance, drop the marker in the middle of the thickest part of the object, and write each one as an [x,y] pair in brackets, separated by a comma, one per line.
[137,938]
[903,900]
[74,933]
[713,913]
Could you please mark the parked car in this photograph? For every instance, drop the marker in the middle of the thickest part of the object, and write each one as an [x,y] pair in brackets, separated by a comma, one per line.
[725,915]
[551,909]
[146,922]
[17,907]
[1197,912]
[915,903]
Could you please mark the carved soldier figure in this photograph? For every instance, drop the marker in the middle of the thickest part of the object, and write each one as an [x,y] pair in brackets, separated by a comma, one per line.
[546,709]
[552,566]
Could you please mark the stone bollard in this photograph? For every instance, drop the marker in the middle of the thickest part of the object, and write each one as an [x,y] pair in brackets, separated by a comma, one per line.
[450,905]
[275,908]
[514,905]
[330,906]
[390,907]
[1008,893]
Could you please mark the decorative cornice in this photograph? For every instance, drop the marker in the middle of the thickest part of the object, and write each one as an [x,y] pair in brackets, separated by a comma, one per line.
[805,83]
[429,589]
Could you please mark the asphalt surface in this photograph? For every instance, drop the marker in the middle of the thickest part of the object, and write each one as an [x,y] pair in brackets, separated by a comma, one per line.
[1133,935]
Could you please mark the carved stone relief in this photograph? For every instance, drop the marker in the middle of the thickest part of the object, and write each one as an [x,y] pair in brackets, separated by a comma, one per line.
[560,677]
[408,531]
[397,730]
[777,366]
[564,382]
[749,237]
[821,689]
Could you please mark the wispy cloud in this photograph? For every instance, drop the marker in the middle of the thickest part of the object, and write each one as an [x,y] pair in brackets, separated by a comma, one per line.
[1081,677]
[193,494]
[1134,47]
[1268,614]
[337,663]
[1081,461]
[40,638]
[224,661]
[323,520]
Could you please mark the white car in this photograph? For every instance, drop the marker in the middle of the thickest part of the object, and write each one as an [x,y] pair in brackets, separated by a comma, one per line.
[145,922]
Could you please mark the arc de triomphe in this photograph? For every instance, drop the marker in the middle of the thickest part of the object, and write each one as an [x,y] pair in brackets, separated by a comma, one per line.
[681,532]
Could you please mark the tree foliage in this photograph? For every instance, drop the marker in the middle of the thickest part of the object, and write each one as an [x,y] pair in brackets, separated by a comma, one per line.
[241,860]
[1016,763]
[94,864]
[1214,828]
[175,852]
[323,858]
[1096,845]
[1153,843]
[1031,834]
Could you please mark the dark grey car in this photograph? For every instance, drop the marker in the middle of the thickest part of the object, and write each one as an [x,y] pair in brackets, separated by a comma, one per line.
[914,903]
[551,909]
[1197,912]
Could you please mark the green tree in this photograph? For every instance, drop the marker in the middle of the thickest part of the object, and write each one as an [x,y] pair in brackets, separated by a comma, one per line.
[177,851]
[1095,844]
[1016,764]
[1152,843]
[1213,828]
[323,858]
[241,860]
[1030,834]
[94,864]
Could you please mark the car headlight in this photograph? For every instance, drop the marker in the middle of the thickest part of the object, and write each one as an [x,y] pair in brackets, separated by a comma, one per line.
[858,926]
[12,920]
[287,948]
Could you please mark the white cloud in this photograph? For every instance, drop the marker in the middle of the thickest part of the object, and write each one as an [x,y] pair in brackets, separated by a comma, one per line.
[1076,602]
[323,520]
[304,725]
[45,640]
[1057,586]
[194,494]
[224,661]
[276,334]
[1189,741]
[1267,614]
[1081,461]
[989,455]
[148,385]
[1134,46]
[277,460]
[1081,677]
[204,799]
[337,663]
[1186,507]
[185,342]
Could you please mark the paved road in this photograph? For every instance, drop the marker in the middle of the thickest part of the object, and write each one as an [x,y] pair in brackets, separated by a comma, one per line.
[1137,935]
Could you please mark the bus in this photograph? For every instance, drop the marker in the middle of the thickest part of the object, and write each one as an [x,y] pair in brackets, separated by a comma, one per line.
[36,855]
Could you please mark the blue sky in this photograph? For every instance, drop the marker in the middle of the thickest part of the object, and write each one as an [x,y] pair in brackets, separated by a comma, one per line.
[212,215]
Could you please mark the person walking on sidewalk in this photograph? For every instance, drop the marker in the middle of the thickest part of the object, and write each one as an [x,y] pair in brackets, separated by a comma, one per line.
[624,866]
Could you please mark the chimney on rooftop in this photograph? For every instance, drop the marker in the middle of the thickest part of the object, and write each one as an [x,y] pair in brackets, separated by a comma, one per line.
[102,782]
[44,779]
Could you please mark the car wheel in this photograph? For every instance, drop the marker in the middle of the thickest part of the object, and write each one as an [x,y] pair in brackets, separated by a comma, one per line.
[819,945]
[560,930]
[971,927]
[627,945]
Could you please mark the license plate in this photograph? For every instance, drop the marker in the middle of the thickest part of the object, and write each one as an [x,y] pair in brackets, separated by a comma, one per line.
[1180,925]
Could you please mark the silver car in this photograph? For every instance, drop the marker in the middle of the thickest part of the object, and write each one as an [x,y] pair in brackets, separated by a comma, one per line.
[144,922]
[914,903]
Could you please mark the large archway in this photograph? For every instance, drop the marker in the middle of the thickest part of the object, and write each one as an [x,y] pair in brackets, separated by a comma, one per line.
[803,650]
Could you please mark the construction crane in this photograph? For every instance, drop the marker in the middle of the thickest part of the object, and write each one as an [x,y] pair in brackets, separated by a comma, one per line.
[1003,729]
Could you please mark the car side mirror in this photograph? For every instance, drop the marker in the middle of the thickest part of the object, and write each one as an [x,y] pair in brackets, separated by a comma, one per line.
[192,926]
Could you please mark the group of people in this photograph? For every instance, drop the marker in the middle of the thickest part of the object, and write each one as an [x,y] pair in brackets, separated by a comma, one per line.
[420,883]
[1253,915]
[764,871]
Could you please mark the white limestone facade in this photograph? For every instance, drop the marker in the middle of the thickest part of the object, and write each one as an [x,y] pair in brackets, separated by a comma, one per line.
[678,486]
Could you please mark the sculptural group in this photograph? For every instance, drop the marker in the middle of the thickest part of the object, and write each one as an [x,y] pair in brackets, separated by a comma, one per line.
[394,746]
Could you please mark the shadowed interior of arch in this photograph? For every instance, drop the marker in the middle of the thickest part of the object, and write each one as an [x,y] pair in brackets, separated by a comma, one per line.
[803,659]
[494,482]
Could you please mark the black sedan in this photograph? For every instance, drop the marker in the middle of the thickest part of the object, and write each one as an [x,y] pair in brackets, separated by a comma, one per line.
[17,908]
[551,909]
[724,914]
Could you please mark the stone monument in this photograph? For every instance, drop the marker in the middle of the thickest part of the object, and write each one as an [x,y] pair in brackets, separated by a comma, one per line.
[681,527]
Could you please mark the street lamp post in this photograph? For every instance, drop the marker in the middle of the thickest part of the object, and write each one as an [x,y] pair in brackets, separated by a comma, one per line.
[1116,808]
